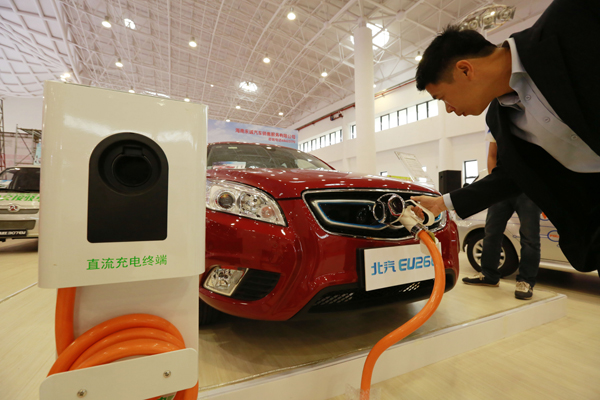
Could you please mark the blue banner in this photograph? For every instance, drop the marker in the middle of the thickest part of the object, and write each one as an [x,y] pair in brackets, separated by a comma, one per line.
[221,131]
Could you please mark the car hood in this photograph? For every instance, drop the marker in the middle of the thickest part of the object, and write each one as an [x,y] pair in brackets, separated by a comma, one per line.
[25,200]
[290,183]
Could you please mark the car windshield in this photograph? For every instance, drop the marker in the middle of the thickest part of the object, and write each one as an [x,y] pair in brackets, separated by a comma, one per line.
[239,156]
[20,179]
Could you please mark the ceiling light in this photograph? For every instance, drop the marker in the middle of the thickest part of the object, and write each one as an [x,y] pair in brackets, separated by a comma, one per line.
[212,85]
[129,23]
[247,86]
[193,42]
[119,63]
[106,23]
[187,100]
[488,17]
[280,113]
[291,15]
[266,60]
[419,57]
[131,90]
[324,74]
[237,107]
[66,75]
[157,94]
[374,85]
[226,120]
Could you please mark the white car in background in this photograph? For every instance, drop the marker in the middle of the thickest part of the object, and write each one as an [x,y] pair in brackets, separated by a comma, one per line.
[19,202]
[472,231]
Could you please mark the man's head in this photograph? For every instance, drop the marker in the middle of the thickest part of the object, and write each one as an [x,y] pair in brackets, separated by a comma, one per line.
[458,69]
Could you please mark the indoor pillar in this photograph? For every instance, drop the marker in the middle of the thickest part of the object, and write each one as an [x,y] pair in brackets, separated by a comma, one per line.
[365,103]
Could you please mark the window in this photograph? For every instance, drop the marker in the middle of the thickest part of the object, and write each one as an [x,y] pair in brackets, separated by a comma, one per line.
[422,111]
[470,171]
[402,117]
[377,124]
[322,141]
[394,119]
[433,108]
[353,132]
[411,114]
[20,179]
[385,122]
[383,173]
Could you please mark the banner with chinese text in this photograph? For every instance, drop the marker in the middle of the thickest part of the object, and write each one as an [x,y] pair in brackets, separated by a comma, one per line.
[221,131]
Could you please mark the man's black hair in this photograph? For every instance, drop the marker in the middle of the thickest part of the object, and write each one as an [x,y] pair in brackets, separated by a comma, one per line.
[448,48]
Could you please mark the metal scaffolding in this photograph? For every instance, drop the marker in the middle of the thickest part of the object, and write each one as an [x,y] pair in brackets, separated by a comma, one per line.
[23,139]
[2,151]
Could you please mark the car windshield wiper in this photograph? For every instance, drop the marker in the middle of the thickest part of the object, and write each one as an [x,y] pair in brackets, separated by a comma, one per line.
[20,190]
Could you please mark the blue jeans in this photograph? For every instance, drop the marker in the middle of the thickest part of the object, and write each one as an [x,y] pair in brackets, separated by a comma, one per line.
[495,224]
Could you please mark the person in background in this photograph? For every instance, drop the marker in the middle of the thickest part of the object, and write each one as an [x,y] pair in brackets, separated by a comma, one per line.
[541,86]
[495,224]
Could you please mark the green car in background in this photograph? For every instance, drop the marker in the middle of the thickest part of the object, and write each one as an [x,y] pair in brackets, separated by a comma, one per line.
[19,202]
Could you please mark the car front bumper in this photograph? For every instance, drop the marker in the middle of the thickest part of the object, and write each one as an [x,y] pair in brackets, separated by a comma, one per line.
[19,222]
[308,262]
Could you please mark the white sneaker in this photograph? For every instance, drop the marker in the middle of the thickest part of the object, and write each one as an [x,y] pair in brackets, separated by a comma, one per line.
[523,291]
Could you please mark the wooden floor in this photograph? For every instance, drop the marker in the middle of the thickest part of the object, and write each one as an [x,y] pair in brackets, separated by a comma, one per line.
[237,350]
[560,360]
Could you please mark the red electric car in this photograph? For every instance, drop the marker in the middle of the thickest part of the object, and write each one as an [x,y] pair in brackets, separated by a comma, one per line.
[287,235]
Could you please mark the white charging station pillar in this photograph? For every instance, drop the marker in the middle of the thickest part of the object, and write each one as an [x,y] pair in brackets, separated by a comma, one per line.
[123,220]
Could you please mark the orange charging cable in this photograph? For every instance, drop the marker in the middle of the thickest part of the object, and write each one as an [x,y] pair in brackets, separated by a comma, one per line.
[117,338]
[414,323]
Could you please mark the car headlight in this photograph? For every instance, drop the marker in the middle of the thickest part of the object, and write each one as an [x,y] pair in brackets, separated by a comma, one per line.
[442,219]
[243,200]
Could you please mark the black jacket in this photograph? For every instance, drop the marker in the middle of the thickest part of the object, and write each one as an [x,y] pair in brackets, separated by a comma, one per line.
[561,55]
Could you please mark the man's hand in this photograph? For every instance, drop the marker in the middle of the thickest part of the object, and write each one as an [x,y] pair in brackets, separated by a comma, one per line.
[434,204]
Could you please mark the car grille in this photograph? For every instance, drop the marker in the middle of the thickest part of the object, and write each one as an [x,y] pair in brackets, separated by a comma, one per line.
[17,225]
[350,212]
[352,297]
[21,211]
[255,285]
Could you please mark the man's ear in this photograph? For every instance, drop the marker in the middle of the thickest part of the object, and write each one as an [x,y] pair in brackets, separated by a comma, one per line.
[463,70]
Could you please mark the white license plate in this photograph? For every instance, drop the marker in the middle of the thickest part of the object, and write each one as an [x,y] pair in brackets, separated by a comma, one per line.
[13,233]
[397,265]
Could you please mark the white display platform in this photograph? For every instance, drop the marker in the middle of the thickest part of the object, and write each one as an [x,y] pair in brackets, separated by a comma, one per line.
[324,380]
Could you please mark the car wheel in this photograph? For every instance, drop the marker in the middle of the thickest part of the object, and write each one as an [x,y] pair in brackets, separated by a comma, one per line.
[207,314]
[509,261]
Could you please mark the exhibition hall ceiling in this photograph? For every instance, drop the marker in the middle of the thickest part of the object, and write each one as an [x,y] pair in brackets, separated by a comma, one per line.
[43,39]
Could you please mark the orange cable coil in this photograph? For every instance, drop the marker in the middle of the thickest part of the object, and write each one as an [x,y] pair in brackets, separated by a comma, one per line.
[120,337]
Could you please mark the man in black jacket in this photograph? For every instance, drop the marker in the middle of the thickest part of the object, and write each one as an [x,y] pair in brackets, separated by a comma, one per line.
[542,86]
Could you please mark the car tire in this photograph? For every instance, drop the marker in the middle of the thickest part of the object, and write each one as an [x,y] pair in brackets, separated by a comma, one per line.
[207,315]
[509,260]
